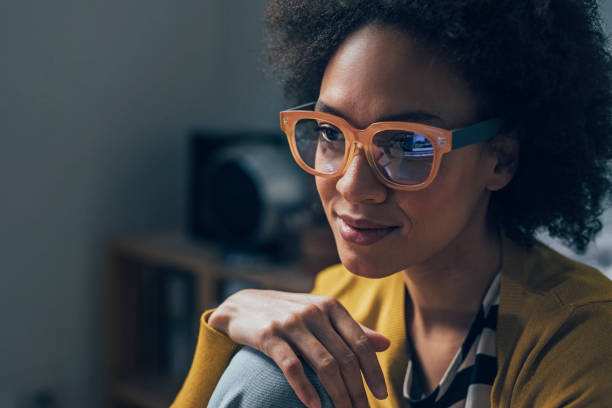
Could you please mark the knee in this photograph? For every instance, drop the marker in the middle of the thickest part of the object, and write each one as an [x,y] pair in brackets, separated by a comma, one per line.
[252,379]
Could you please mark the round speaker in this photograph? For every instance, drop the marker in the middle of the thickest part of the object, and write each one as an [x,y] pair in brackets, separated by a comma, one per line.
[251,190]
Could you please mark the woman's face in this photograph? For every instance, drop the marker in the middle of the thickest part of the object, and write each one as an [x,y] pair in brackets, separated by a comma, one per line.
[378,74]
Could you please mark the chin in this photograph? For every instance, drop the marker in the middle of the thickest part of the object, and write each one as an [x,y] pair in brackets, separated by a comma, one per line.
[367,266]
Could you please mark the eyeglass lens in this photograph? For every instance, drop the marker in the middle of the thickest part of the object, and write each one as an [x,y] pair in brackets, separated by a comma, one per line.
[402,156]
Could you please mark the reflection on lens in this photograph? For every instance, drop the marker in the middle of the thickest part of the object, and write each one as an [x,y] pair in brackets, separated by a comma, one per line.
[321,146]
[404,157]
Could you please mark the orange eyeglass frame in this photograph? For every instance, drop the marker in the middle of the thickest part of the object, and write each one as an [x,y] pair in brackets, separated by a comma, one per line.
[442,140]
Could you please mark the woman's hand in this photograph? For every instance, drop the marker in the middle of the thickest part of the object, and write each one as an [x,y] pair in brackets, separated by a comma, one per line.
[318,328]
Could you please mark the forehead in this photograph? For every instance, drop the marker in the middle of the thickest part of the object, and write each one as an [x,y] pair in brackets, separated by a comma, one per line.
[380,70]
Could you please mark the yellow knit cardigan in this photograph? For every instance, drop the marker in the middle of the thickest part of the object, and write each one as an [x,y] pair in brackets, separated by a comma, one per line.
[554,333]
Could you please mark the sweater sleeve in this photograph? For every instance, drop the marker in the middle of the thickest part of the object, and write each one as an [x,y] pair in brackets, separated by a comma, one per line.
[213,352]
[572,368]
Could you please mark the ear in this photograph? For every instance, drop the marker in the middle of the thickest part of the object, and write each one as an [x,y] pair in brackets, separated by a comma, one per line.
[504,151]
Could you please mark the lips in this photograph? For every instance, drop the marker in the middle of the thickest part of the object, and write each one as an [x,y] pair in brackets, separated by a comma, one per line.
[362,231]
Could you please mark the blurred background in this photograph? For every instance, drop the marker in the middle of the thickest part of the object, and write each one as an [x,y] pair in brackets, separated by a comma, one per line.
[115,118]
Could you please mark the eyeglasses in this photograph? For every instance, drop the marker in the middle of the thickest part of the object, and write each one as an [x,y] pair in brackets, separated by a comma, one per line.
[403,155]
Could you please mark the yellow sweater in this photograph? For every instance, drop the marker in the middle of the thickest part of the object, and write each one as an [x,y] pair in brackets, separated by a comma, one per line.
[554,333]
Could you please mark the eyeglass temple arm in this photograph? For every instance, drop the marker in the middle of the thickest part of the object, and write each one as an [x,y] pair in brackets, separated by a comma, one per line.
[306,105]
[478,132]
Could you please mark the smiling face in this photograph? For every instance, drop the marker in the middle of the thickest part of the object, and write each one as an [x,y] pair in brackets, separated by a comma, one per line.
[380,73]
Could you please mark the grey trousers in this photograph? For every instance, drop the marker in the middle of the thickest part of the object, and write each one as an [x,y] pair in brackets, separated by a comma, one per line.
[253,380]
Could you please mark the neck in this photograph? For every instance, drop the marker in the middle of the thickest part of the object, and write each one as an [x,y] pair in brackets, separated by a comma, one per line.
[446,292]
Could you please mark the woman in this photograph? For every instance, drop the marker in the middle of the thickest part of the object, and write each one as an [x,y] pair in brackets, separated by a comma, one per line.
[444,134]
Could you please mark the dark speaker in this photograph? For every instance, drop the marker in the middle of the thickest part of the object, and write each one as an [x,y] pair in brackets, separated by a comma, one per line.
[245,189]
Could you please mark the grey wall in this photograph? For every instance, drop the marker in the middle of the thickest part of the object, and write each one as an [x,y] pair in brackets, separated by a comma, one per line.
[606,11]
[96,98]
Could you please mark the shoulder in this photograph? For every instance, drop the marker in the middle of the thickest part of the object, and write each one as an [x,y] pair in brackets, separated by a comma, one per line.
[554,326]
[252,379]
[542,272]
[546,291]
[563,359]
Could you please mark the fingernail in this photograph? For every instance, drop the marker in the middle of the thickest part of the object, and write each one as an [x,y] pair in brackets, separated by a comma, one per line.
[381,392]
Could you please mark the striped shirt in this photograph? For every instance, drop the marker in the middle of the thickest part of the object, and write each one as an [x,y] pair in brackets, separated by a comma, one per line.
[467,381]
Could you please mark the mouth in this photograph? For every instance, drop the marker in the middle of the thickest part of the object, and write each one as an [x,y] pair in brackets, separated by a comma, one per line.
[361,231]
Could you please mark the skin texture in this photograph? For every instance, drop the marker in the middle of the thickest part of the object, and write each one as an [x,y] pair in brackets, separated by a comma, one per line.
[441,241]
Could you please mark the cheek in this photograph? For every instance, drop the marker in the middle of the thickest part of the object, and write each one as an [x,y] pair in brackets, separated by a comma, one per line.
[420,208]
[326,189]
[448,203]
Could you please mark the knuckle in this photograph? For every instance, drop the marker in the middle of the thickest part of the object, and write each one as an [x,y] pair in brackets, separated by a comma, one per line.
[271,329]
[291,323]
[362,344]
[267,333]
[327,366]
[348,360]
[290,366]
[329,303]
[311,312]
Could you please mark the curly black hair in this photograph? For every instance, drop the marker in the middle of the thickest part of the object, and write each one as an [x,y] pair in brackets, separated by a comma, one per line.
[542,65]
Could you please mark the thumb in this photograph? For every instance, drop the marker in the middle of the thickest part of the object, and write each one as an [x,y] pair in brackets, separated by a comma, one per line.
[377,340]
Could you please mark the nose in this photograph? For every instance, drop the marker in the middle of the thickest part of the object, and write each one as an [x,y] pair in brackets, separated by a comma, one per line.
[359,184]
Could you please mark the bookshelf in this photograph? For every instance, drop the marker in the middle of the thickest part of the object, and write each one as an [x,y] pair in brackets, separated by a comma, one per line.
[159,285]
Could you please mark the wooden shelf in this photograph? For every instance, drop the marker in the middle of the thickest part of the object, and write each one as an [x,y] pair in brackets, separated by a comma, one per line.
[138,272]
[176,250]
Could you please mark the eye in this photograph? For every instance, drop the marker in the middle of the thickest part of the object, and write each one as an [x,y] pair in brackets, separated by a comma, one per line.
[330,134]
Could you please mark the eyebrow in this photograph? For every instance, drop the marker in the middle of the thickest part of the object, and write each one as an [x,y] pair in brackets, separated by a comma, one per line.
[408,116]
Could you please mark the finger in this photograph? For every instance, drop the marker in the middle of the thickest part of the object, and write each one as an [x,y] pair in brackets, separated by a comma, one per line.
[324,365]
[359,342]
[347,360]
[377,340]
[286,359]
